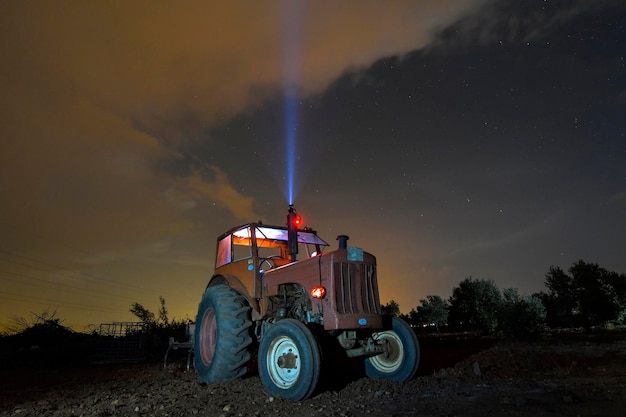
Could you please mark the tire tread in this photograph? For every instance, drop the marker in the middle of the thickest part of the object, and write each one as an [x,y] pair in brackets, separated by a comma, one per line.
[234,338]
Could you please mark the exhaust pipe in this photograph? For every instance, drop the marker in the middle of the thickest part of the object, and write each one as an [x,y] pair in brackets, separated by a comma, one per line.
[343,241]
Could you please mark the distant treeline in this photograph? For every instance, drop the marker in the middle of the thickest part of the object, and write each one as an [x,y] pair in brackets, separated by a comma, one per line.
[587,297]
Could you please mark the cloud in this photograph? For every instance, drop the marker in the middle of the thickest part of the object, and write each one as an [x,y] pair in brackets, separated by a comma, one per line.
[77,166]
[510,22]
[99,97]
[160,60]
[217,189]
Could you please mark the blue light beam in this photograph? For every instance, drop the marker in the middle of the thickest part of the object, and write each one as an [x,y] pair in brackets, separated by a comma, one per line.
[292,12]
[290,143]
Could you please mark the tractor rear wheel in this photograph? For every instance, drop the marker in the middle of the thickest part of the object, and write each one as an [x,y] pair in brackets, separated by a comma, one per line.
[402,357]
[222,337]
[289,360]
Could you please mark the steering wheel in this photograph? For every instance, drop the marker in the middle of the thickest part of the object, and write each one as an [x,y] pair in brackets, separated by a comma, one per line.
[270,263]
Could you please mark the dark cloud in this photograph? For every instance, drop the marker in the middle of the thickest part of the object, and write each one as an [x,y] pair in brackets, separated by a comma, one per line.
[514,23]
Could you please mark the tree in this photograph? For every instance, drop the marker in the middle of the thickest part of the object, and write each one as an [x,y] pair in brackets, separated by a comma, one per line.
[146,316]
[561,301]
[474,306]
[618,282]
[597,292]
[163,318]
[159,328]
[521,318]
[589,296]
[392,308]
[433,311]
[412,318]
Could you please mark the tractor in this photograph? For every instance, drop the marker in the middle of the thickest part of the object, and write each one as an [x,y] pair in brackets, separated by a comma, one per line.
[263,302]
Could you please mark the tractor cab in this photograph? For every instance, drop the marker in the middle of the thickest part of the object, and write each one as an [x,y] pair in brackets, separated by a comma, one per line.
[250,250]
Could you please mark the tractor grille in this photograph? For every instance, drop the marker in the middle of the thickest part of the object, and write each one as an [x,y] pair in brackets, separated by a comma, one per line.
[356,289]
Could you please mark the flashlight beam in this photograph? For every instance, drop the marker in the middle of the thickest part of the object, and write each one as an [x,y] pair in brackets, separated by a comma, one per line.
[292,18]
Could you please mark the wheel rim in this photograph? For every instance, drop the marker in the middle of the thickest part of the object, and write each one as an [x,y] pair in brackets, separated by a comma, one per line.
[283,362]
[208,336]
[391,360]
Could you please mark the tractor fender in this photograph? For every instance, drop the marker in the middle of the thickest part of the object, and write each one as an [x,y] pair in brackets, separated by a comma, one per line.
[235,283]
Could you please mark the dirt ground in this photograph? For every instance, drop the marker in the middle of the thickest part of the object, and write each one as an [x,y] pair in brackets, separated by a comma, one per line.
[575,376]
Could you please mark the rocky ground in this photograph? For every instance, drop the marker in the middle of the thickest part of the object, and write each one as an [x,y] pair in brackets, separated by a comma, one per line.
[574,376]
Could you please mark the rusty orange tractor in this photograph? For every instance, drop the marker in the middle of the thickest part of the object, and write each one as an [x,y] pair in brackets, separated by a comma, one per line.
[262,300]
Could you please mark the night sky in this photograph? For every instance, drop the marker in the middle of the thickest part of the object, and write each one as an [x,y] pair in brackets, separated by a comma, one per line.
[449,138]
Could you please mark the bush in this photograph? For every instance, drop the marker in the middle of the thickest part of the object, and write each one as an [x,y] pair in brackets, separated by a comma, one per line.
[43,343]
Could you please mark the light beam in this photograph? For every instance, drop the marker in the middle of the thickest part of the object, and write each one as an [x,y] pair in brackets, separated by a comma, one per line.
[292,22]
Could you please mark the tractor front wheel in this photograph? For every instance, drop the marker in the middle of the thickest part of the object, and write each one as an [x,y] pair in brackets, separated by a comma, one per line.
[401,359]
[289,360]
[222,337]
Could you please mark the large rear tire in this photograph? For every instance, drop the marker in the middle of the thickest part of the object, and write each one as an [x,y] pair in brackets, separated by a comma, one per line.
[222,336]
[402,358]
[289,360]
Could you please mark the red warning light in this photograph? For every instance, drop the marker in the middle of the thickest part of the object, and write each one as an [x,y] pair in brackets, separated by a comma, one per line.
[297,220]
[318,292]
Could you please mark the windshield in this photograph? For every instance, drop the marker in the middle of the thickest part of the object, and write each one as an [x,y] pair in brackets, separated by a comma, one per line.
[275,234]
[271,241]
